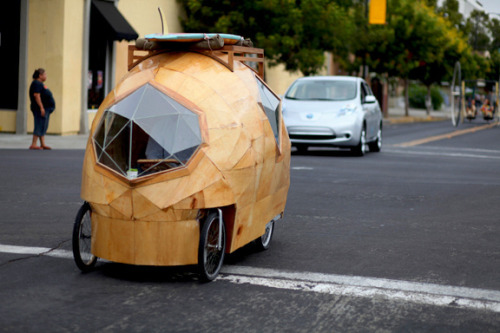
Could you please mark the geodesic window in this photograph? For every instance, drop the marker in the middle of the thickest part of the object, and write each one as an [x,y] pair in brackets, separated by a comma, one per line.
[146,132]
[271,106]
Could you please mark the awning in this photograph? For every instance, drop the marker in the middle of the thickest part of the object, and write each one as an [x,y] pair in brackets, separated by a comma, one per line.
[111,22]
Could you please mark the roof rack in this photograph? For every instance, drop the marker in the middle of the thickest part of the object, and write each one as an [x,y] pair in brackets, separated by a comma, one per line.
[244,54]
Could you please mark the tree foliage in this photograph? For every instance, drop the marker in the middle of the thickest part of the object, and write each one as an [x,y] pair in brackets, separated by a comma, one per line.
[295,33]
[420,41]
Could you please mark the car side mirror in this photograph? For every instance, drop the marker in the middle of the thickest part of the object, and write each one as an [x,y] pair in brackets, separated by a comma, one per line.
[370,99]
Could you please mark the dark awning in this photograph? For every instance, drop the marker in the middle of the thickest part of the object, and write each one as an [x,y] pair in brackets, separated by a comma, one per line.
[114,26]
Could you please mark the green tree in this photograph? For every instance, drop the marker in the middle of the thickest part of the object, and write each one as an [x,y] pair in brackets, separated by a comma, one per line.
[476,28]
[411,38]
[294,33]
[416,43]
[450,47]
[449,9]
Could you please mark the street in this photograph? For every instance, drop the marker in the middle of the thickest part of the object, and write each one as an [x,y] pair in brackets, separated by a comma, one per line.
[405,240]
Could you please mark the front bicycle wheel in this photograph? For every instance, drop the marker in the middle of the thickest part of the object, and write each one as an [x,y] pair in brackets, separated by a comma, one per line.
[212,247]
[82,239]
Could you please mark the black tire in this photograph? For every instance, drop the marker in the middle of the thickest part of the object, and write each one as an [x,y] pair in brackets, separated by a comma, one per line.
[82,239]
[360,149]
[302,149]
[210,255]
[376,146]
[264,241]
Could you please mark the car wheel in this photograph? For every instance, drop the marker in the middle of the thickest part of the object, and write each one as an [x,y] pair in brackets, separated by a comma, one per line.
[360,149]
[301,149]
[376,145]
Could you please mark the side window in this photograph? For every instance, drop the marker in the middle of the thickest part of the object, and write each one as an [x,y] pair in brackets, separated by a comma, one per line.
[270,104]
[368,89]
[363,92]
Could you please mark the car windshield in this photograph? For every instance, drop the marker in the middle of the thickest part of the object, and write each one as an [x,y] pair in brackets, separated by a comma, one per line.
[327,90]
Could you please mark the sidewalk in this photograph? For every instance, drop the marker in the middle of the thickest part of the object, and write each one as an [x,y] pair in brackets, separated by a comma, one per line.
[397,115]
[15,141]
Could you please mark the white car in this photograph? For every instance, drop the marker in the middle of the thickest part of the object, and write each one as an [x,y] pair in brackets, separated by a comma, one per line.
[335,111]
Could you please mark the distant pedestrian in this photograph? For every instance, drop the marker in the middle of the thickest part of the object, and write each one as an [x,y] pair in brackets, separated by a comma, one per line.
[42,105]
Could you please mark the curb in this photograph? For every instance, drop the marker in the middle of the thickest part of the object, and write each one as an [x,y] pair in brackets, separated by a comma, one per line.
[410,119]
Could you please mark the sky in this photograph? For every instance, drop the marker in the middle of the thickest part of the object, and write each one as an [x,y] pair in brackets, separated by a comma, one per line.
[491,6]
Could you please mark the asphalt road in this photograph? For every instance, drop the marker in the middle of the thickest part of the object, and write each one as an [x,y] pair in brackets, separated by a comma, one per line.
[405,240]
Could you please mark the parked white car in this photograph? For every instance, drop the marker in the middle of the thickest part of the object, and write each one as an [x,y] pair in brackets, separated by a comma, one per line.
[335,111]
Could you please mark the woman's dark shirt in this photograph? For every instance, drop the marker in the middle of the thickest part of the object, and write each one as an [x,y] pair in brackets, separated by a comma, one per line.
[45,95]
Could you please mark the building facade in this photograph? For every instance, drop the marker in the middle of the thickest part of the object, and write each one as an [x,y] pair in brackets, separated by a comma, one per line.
[82,44]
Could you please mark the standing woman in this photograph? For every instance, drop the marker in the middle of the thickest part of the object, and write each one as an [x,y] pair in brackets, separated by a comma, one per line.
[42,105]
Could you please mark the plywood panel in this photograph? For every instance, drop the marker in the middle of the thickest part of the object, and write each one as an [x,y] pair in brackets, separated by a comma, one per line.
[179,245]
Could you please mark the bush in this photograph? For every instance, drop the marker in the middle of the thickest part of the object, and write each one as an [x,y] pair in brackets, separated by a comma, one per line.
[417,95]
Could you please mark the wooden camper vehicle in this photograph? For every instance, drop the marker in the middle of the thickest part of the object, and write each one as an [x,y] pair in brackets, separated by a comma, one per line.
[187,159]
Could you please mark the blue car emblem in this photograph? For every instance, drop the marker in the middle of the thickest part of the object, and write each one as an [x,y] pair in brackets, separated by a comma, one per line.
[309,116]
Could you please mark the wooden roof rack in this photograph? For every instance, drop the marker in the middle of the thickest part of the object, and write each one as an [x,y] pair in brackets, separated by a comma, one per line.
[246,55]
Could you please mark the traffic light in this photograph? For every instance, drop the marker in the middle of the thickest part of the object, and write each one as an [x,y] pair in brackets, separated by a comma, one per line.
[377,11]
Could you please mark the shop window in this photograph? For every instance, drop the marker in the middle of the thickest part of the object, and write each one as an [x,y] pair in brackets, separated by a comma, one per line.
[145,133]
[10,23]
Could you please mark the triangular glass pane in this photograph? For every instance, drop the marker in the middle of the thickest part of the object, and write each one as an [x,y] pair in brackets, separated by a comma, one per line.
[162,129]
[154,103]
[193,123]
[184,155]
[117,125]
[185,137]
[127,107]
[155,151]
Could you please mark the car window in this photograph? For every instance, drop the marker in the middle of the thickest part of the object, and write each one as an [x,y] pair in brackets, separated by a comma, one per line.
[368,89]
[363,92]
[328,90]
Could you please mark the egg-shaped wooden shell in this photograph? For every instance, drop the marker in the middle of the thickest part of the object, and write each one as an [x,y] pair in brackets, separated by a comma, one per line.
[241,164]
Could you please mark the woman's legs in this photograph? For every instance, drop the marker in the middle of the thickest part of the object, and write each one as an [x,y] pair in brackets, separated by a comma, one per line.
[45,126]
[39,131]
[33,143]
[42,143]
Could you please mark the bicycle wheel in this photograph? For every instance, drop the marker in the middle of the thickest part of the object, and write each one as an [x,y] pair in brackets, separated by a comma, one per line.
[456,95]
[212,247]
[264,241]
[82,239]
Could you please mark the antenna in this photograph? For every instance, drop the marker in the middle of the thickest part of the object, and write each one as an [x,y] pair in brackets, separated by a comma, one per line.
[164,27]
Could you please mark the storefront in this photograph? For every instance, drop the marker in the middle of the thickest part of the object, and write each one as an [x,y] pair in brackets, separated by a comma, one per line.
[82,44]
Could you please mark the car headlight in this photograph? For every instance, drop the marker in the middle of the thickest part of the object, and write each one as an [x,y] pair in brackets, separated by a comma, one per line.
[347,110]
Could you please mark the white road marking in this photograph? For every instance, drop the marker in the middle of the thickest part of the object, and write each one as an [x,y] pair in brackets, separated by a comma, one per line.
[357,286]
[302,168]
[449,154]
[36,251]
[340,285]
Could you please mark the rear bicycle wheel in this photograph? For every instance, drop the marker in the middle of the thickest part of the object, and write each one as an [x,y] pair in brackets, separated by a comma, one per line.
[264,241]
[82,239]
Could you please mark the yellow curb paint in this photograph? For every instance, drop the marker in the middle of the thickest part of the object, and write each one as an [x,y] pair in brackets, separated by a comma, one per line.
[445,136]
